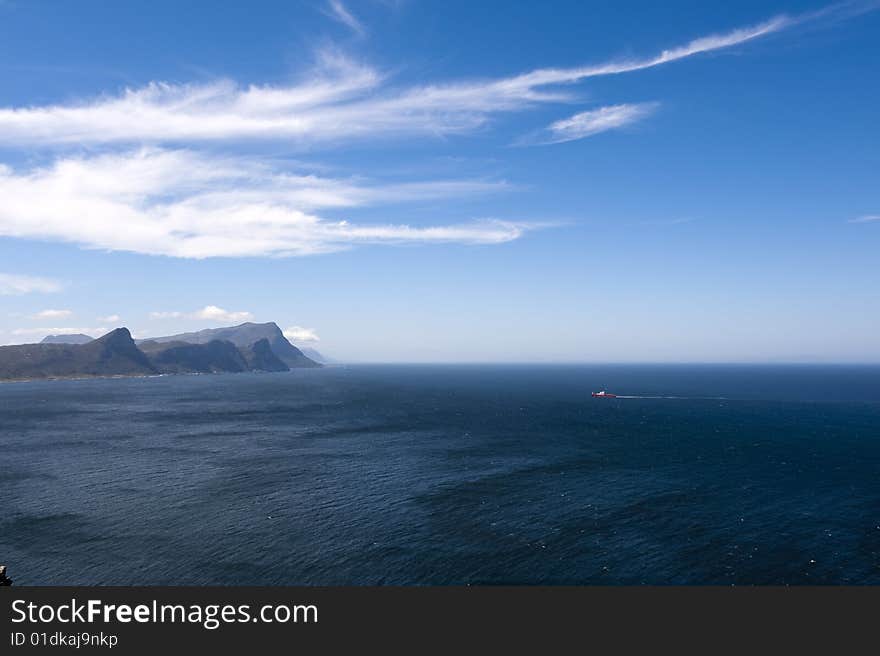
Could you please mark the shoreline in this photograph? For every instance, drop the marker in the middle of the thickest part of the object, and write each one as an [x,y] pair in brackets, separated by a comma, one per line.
[10,381]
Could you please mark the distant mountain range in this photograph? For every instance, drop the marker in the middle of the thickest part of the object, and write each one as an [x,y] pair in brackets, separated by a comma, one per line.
[67,339]
[314,355]
[248,347]
[245,335]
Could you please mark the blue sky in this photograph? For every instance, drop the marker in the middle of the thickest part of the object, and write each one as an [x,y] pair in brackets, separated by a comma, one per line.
[424,181]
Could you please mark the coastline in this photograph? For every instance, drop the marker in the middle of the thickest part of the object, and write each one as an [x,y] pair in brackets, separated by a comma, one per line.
[84,377]
[125,376]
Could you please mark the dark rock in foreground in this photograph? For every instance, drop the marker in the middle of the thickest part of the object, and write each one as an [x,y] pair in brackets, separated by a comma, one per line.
[4,580]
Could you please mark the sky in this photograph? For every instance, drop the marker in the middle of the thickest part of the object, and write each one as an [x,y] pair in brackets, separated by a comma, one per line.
[418,181]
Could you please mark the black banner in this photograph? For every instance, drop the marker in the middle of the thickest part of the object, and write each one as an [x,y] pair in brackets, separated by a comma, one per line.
[151,620]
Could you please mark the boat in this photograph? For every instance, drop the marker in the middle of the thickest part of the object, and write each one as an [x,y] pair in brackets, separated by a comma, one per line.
[604,395]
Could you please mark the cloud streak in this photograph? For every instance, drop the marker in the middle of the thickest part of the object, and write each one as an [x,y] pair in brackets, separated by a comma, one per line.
[169,200]
[868,218]
[586,124]
[339,12]
[182,204]
[339,100]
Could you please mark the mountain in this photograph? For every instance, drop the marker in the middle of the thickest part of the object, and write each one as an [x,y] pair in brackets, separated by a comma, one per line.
[249,347]
[67,339]
[316,356]
[114,354]
[261,356]
[180,357]
[246,335]
[214,357]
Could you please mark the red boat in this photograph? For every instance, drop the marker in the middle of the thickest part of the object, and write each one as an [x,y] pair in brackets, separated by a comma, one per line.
[604,395]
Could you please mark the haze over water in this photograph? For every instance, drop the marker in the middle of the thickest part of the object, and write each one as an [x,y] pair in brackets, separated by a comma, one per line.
[446,475]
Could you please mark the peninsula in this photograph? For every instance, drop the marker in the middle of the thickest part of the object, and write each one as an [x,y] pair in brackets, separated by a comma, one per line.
[248,347]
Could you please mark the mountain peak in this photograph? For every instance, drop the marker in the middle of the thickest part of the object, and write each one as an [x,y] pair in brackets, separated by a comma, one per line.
[118,334]
[114,354]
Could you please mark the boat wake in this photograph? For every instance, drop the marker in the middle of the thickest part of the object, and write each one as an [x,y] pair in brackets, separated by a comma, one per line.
[681,398]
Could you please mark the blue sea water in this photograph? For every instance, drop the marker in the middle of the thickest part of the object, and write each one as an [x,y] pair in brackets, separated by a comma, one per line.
[446,475]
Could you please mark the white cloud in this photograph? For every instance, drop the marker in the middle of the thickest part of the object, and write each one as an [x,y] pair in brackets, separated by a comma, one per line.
[586,124]
[339,12]
[53,314]
[214,313]
[299,334]
[208,313]
[177,203]
[339,100]
[16,285]
[182,204]
[868,218]
[113,318]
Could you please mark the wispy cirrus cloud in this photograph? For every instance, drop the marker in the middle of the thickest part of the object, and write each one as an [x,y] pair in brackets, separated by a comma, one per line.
[339,100]
[15,285]
[337,10]
[182,204]
[867,218]
[173,201]
[586,124]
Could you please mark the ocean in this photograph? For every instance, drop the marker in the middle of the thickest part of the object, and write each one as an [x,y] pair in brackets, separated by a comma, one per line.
[458,474]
